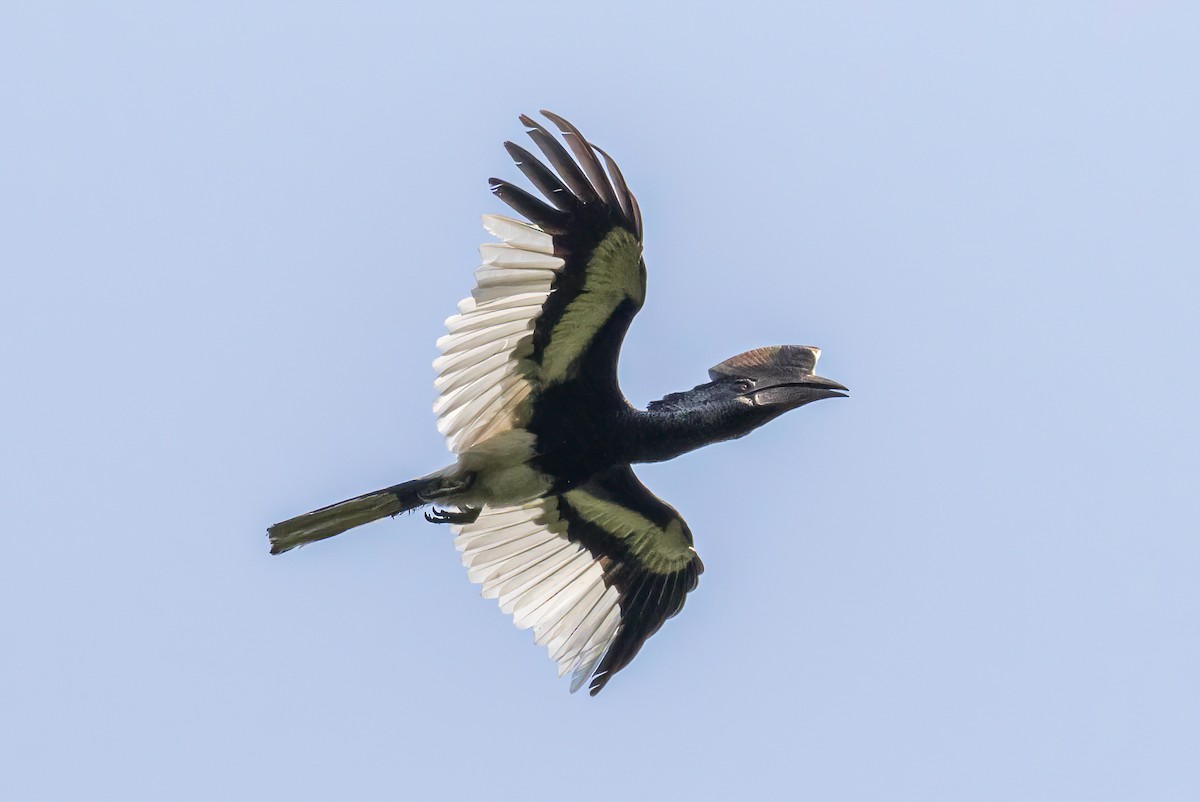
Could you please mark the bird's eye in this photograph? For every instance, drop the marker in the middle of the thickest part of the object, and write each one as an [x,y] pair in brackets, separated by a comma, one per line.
[745,385]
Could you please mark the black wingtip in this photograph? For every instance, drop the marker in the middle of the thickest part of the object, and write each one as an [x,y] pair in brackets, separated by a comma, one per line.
[589,178]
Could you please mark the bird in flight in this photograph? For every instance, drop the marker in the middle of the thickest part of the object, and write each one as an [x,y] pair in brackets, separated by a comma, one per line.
[547,512]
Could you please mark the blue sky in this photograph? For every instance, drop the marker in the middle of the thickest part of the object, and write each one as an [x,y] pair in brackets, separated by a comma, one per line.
[229,236]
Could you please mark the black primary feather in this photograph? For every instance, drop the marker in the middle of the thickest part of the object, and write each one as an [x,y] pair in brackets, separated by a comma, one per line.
[562,162]
[542,177]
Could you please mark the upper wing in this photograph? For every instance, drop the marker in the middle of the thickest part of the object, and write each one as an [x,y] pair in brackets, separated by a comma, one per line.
[595,570]
[552,300]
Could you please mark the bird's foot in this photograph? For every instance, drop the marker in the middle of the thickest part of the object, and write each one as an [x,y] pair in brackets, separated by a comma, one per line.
[466,515]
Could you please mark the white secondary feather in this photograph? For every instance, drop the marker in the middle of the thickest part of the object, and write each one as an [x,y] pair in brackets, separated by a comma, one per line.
[504,255]
[467,374]
[482,567]
[518,234]
[457,360]
[455,343]
[482,374]
[492,295]
[511,582]
[536,604]
[509,277]
[484,317]
[523,558]
[456,416]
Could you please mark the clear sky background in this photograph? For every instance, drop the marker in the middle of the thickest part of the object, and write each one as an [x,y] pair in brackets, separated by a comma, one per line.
[229,234]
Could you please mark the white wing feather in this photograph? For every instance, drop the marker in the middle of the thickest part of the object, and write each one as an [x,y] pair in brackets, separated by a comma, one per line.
[482,373]
[544,581]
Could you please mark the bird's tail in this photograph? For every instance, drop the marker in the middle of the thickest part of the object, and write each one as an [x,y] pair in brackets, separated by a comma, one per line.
[337,518]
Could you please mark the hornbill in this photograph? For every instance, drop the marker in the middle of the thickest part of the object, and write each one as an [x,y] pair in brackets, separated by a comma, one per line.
[543,503]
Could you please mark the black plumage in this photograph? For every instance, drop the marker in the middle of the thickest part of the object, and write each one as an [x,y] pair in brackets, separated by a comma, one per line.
[548,513]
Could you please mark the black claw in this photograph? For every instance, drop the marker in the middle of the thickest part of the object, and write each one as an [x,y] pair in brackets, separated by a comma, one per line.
[465,516]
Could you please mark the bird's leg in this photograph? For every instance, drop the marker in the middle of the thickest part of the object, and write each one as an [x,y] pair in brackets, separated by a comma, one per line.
[449,488]
[466,515]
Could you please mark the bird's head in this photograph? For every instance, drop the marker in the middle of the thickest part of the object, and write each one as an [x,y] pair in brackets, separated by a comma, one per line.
[746,391]
[769,381]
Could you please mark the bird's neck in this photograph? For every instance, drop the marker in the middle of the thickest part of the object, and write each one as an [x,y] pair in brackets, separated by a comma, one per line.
[661,433]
